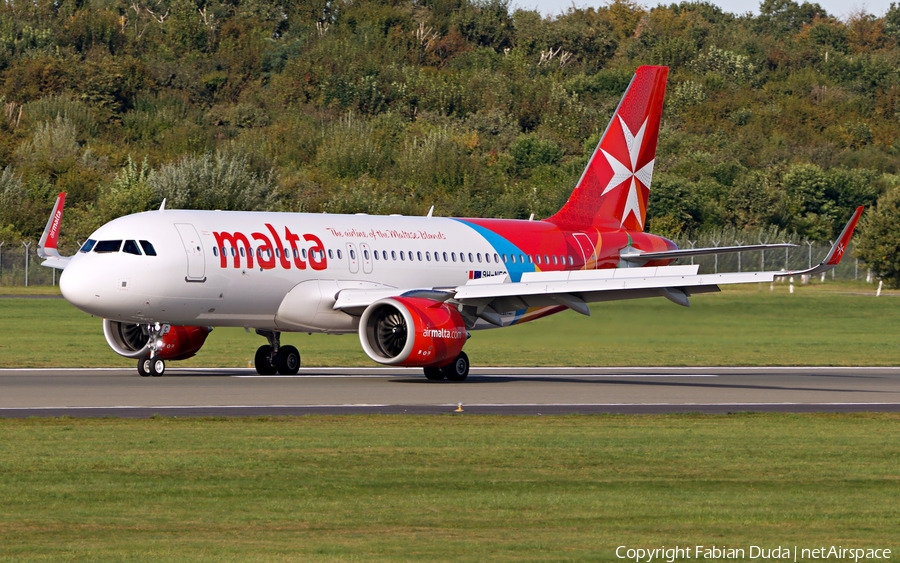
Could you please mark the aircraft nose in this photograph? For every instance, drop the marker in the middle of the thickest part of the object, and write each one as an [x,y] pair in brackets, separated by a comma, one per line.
[78,288]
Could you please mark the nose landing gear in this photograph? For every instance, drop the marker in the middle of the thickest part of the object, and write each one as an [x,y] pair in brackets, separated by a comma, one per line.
[151,367]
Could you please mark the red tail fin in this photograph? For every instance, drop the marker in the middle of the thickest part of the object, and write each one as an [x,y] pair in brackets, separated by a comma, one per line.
[613,190]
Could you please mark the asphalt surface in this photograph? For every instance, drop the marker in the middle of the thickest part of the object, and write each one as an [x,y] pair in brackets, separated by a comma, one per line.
[241,392]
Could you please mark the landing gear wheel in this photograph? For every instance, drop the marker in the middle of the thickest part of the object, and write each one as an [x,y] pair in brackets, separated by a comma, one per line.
[144,367]
[434,374]
[287,360]
[263,361]
[157,367]
[459,369]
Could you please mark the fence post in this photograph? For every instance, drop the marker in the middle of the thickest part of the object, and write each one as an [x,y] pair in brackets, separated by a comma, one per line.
[26,245]
[739,243]
[762,255]
[809,244]
[716,258]
[1,261]
[692,243]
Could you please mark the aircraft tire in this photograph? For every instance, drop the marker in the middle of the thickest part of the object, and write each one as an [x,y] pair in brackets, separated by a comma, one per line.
[143,366]
[459,369]
[434,374]
[287,360]
[262,361]
[157,367]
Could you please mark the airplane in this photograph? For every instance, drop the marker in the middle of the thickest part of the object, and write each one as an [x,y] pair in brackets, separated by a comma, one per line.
[413,288]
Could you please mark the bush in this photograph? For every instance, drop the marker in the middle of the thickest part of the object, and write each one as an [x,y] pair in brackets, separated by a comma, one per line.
[218,180]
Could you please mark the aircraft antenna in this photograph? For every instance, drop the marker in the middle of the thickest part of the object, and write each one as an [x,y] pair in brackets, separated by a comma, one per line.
[162,206]
[430,211]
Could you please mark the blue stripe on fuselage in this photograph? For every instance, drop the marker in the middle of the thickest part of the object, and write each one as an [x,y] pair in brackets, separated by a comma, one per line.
[503,246]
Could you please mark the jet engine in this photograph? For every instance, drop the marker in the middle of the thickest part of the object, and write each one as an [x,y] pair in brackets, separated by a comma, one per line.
[169,342]
[412,331]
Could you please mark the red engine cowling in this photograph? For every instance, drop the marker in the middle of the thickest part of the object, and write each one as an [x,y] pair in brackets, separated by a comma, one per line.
[173,342]
[412,331]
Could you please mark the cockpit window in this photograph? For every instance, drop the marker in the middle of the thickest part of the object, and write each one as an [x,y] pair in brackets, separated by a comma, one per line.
[148,248]
[131,247]
[87,246]
[108,246]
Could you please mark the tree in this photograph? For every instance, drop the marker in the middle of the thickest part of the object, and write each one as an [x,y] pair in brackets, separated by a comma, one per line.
[878,241]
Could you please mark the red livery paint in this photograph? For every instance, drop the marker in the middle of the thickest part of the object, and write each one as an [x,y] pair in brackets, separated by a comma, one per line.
[270,251]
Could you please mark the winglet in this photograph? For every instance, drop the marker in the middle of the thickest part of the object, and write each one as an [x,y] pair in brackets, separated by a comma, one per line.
[837,251]
[47,247]
[833,258]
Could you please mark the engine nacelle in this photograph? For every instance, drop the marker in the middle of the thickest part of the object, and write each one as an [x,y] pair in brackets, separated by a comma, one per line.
[173,342]
[412,331]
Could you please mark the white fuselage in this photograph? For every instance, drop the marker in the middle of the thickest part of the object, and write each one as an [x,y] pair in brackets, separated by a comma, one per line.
[256,283]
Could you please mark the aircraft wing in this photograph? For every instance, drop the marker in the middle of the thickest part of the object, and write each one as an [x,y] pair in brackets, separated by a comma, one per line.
[638,257]
[488,298]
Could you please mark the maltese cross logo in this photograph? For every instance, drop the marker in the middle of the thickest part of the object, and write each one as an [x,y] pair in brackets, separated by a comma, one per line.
[626,173]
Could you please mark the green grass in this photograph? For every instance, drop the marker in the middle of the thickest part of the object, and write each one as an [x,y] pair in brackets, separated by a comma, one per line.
[830,324]
[448,488]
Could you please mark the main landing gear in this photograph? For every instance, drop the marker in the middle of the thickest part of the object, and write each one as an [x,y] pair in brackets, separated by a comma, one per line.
[274,358]
[458,370]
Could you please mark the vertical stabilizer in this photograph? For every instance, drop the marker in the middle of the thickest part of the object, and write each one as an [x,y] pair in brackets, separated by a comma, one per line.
[615,186]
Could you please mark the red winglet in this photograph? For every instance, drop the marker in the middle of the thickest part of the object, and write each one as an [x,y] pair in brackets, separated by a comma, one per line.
[50,238]
[837,251]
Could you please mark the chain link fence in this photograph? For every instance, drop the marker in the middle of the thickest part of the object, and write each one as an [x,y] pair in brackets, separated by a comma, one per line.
[20,268]
[13,263]
[806,254]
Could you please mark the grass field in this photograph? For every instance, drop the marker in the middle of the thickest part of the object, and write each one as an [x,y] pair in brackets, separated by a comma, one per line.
[442,488]
[830,324]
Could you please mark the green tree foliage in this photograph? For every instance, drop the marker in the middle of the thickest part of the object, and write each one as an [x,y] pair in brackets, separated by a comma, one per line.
[219,180]
[787,120]
[878,243]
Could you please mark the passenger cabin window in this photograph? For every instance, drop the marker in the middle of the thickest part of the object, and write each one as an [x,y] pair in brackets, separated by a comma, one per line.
[419,256]
[107,246]
[88,245]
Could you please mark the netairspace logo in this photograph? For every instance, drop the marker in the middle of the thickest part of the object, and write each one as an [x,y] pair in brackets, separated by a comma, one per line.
[777,553]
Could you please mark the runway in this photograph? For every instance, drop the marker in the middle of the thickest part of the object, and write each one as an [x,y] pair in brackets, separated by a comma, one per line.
[241,392]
